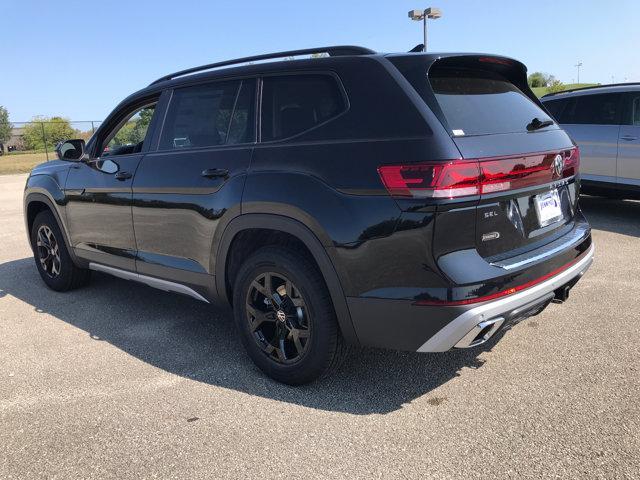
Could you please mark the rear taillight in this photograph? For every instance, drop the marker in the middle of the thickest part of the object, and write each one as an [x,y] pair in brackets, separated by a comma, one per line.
[437,180]
[462,178]
[571,162]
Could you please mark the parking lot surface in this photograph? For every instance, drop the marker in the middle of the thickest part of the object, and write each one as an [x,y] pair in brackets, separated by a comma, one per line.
[118,380]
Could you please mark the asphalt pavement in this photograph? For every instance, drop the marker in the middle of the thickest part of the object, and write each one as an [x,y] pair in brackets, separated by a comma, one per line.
[118,380]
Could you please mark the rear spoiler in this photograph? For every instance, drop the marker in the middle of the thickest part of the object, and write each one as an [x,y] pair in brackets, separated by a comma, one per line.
[512,70]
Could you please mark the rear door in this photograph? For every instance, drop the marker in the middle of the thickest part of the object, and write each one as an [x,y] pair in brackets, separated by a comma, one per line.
[193,179]
[629,143]
[593,122]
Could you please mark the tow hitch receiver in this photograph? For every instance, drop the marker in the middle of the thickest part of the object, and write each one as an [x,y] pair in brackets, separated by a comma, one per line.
[561,294]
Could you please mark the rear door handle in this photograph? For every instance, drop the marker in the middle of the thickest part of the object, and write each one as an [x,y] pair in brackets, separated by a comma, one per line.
[123,176]
[629,138]
[215,173]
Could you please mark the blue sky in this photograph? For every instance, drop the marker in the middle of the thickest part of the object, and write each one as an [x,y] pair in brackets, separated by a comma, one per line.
[78,59]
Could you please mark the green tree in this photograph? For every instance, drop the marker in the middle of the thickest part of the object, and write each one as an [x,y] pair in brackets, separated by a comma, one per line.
[555,86]
[539,79]
[53,130]
[134,130]
[5,126]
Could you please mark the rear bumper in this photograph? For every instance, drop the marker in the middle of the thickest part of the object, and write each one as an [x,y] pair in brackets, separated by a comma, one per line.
[507,309]
[402,325]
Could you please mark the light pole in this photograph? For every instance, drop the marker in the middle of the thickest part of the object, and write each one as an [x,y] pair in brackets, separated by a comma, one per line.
[432,13]
[578,65]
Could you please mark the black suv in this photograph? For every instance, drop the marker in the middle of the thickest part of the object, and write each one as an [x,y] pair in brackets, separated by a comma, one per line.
[410,201]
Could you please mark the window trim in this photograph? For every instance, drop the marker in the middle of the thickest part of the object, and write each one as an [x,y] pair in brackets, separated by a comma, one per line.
[631,97]
[170,93]
[121,116]
[287,73]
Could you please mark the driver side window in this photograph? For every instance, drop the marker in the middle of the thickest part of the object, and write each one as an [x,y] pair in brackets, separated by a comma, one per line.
[129,136]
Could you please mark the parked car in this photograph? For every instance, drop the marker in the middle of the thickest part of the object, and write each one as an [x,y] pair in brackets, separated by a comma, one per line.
[605,123]
[410,201]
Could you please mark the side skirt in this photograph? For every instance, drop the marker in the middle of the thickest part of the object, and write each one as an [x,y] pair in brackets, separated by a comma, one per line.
[158,283]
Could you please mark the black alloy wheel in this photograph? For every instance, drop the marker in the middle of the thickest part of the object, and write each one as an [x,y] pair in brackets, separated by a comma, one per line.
[285,316]
[278,317]
[48,251]
[52,257]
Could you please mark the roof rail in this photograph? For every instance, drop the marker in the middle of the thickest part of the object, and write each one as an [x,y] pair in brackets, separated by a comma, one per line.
[332,51]
[590,87]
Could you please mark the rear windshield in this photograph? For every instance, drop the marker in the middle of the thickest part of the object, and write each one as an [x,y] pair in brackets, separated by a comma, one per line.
[483,103]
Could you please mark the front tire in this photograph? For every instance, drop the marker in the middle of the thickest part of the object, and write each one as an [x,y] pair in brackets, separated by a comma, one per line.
[285,317]
[52,257]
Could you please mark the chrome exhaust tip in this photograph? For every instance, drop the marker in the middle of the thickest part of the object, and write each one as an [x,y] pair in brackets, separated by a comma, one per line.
[480,333]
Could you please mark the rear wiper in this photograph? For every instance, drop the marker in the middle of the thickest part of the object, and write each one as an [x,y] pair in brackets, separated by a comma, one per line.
[537,124]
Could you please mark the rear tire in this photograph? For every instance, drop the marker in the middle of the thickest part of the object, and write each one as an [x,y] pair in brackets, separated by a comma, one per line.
[286,318]
[52,256]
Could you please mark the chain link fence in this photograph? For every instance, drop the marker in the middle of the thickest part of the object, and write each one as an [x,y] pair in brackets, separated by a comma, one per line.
[31,143]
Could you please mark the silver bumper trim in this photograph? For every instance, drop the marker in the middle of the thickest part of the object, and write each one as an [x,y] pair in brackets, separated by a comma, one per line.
[462,325]
[562,244]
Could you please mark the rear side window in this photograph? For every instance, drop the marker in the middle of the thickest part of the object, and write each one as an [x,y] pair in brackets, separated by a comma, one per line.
[556,107]
[482,103]
[209,115]
[601,109]
[293,104]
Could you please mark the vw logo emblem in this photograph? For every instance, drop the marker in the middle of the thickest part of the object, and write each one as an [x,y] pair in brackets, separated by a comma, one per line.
[281,315]
[558,165]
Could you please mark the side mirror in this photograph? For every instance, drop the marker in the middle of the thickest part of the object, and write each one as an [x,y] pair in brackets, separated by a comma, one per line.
[70,149]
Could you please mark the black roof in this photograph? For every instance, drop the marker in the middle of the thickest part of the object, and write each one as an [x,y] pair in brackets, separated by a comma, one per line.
[243,66]
[334,51]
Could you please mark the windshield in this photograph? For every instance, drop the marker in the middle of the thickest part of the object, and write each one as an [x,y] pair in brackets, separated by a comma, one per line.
[484,103]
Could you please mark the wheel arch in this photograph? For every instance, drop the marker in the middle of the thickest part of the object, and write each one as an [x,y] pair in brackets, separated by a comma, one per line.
[38,199]
[306,237]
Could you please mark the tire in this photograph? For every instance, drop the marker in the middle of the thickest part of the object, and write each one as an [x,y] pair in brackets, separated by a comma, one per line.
[58,270]
[312,343]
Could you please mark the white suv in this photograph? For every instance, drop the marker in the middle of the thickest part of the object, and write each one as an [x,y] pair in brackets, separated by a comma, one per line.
[605,123]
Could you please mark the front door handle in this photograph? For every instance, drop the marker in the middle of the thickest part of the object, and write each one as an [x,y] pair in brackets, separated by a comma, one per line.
[629,138]
[123,176]
[215,173]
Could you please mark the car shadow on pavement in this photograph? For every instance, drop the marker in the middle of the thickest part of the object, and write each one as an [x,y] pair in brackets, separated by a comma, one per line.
[612,215]
[198,341]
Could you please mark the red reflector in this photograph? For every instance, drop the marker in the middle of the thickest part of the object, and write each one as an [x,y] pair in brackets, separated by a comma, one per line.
[461,178]
[502,293]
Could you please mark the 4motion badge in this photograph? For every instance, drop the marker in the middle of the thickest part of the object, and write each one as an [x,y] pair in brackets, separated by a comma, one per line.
[490,236]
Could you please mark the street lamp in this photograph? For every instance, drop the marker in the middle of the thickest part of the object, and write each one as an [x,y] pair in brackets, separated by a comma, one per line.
[578,65]
[432,13]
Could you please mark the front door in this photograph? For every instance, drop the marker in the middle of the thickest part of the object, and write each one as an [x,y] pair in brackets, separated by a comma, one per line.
[99,193]
[629,143]
[193,179]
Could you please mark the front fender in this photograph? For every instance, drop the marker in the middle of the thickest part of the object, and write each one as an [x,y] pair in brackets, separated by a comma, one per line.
[47,189]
